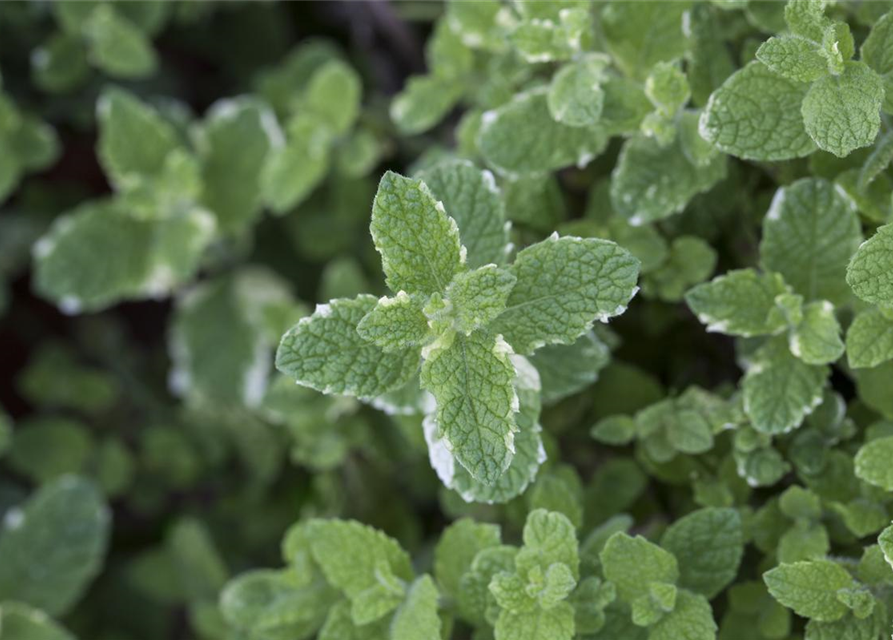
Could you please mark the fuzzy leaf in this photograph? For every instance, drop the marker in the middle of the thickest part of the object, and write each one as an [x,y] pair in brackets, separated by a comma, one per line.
[870,272]
[739,303]
[810,588]
[634,563]
[869,340]
[394,324]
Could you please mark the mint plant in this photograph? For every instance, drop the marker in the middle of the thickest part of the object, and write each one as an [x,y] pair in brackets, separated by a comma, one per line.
[573,321]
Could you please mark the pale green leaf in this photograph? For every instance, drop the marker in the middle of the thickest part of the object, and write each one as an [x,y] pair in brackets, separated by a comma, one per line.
[325,352]
[810,588]
[60,64]
[739,303]
[642,34]
[755,115]
[521,137]
[117,46]
[123,118]
[18,621]
[566,369]
[472,199]
[63,529]
[634,563]
[291,171]
[575,95]
[806,18]
[780,389]
[841,113]
[793,57]
[809,234]
[424,102]
[708,544]
[651,182]
[417,240]
[816,340]
[458,545]
[667,87]
[471,378]
[333,95]
[232,143]
[564,285]
[869,339]
[478,297]
[876,53]
[417,618]
[873,463]
[691,619]
[395,324]
[870,272]
[549,537]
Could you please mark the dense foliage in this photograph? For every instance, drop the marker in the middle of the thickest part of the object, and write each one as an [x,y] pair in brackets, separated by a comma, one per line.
[590,307]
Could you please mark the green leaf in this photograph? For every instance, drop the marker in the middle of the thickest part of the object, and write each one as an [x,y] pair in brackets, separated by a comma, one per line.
[634,563]
[810,588]
[95,255]
[793,57]
[564,285]
[325,352]
[423,102]
[339,625]
[556,623]
[640,35]
[651,182]
[780,389]
[809,234]
[806,18]
[708,545]
[876,53]
[232,143]
[47,448]
[123,118]
[549,538]
[20,622]
[394,324]
[63,529]
[333,95]
[473,200]
[566,369]
[869,339]
[847,628]
[117,46]
[417,618]
[417,240]
[739,303]
[873,463]
[471,379]
[478,297]
[458,545]
[521,137]
[691,619]
[60,65]
[870,272]
[755,115]
[292,171]
[576,96]
[842,112]
[667,87]
[816,340]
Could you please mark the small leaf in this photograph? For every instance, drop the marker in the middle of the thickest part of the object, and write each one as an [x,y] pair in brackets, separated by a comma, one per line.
[575,95]
[793,57]
[869,340]
[816,340]
[478,297]
[634,563]
[870,272]
[739,303]
[873,463]
[691,619]
[395,324]
[417,617]
[810,588]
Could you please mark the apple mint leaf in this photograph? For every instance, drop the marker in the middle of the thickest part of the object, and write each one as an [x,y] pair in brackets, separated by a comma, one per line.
[870,272]
[521,137]
[549,538]
[563,286]
[651,182]
[872,463]
[876,53]
[473,200]
[691,618]
[478,24]
[529,452]
[708,544]
[755,115]
[455,551]
[632,564]
[639,36]
[117,46]
[424,102]
[739,303]
[63,529]
[841,113]
[417,617]
[333,95]
[417,240]
[780,389]
[809,235]
[869,339]
[19,621]
[556,623]
[810,588]
[95,255]
[232,143]
[816,340]
[576,96]
[794,58]
[471,378]
[123,118]
[806,18]
[325,352]
[877,162]
[478,297]
[395,324]
[566,369]
[291,171]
